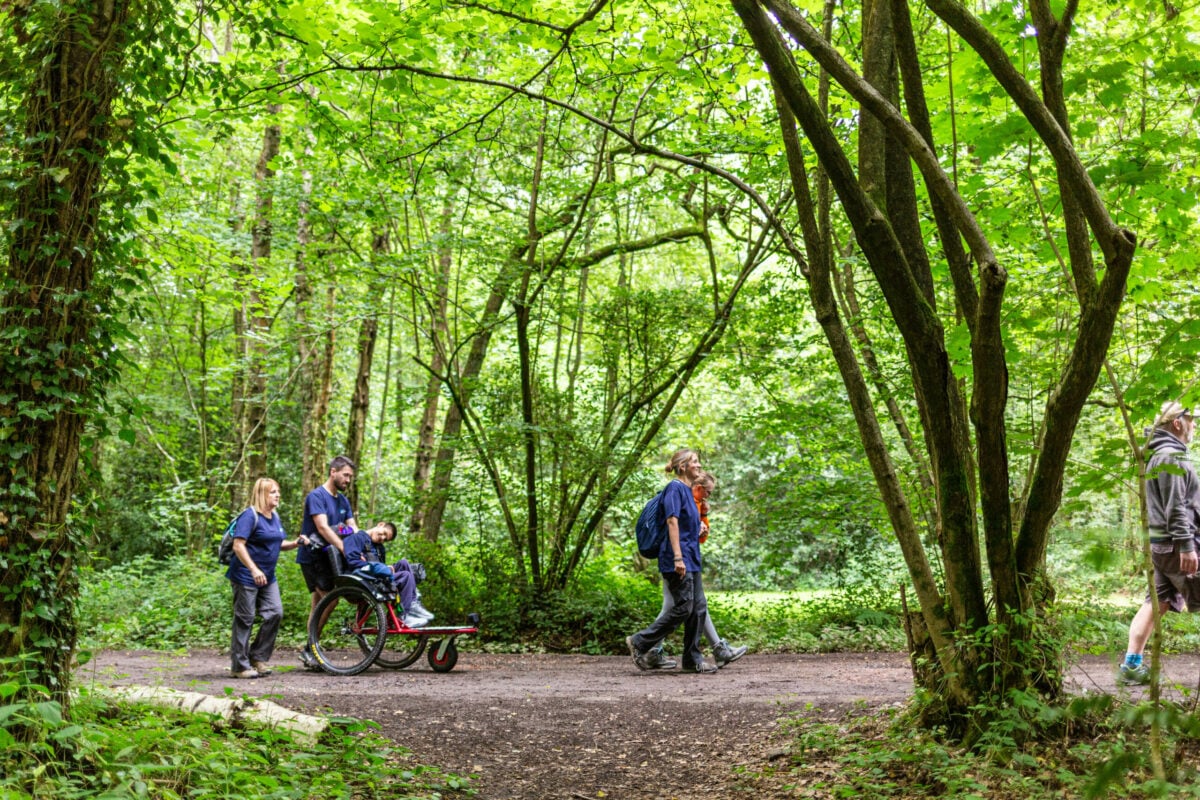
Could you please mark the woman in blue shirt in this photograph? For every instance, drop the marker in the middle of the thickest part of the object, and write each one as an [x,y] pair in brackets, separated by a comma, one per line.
[258,537]
[679,563]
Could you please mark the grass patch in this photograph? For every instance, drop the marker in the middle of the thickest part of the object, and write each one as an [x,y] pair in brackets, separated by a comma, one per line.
[808,621]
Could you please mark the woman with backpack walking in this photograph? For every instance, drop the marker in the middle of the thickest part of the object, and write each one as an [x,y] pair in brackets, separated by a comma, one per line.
[258,537]
[679,563]
[723,652]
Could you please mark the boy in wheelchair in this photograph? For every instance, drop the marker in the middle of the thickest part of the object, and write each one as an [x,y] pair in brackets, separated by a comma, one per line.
[365,555]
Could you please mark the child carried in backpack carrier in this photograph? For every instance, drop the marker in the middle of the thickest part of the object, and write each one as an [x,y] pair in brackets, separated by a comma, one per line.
[365,555]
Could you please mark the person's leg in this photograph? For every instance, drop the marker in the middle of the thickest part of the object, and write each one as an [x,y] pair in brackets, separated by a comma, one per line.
[323,577]
[666,623]
[693,624]
[1140,629]
[657,657]
[243,619]
[1168,587]
[270,608]
[710,632]
[315,581]
[406,588]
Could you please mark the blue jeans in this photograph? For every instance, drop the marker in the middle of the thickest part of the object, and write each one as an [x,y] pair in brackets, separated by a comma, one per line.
[689,608]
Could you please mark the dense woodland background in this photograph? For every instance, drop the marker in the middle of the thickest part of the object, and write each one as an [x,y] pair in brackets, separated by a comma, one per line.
[911,278]
[322,244]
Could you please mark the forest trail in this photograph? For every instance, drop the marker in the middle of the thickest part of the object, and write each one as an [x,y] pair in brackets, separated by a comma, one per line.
[542,727]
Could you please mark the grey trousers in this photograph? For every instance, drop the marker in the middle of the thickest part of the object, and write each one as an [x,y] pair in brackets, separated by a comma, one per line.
[690,609]
[710,630]
[248,602]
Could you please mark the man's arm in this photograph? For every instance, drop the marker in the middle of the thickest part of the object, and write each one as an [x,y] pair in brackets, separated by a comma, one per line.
[321,521]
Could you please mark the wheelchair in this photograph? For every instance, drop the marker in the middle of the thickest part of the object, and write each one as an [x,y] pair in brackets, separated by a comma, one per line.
[358,624]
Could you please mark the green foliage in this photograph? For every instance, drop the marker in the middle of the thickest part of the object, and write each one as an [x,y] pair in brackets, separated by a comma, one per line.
[1088,747]
[184,602]
[176,602]
[604,604]
[114,749]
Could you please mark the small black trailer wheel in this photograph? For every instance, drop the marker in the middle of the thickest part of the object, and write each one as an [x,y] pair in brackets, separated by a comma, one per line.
[443,655]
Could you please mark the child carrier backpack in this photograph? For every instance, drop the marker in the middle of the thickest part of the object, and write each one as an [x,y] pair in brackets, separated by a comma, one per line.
[225,548]
[651,527]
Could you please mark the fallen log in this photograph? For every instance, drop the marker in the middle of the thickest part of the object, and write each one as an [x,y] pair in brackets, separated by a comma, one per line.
[234,710]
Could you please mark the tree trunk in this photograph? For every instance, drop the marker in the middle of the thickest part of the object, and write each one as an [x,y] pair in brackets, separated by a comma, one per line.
[360,399]
[982,664]
[529,437]
[427,430]
[55,372]
[238,382]
[255,313]
[314,345]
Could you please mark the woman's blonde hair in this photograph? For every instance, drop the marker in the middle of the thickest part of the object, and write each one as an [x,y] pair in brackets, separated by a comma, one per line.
[258,496]
[678,459]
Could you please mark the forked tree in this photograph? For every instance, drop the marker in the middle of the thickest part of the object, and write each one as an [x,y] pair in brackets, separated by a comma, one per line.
[981,623]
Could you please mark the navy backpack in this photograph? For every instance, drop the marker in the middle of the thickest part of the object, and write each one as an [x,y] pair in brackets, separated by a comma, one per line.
[651,527]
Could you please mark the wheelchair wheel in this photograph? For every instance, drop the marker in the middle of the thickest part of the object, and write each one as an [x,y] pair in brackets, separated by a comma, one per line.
[399,651]
[353,634]
[443,661]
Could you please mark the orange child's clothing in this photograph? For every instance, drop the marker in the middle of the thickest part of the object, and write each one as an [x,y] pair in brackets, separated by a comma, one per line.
[702,507]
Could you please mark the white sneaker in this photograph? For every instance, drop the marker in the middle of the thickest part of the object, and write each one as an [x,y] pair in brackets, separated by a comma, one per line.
[414,622]
[418,610]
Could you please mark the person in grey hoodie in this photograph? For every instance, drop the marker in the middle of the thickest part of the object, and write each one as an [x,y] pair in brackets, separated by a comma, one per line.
[1172,510]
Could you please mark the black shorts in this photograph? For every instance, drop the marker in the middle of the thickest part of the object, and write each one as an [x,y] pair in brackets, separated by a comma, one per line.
[318,574]
[1172,586]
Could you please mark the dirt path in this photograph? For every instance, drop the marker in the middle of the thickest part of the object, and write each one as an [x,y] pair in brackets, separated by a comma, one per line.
[535,727]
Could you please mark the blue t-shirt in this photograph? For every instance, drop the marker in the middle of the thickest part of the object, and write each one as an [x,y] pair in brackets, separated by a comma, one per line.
[336,510]
[678,502]
[263,537]
[359,550]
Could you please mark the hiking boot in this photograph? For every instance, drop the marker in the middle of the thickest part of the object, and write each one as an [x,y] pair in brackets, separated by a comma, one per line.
[703,668]
[246,674]
[309,660]
[262,667]
[1139,675]
[724,654]
[657,659]
[639,658]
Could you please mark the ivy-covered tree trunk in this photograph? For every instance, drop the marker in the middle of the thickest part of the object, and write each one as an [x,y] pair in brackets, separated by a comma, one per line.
[56,354]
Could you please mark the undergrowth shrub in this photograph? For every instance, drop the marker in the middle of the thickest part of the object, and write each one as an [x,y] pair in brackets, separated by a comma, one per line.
[116,749]
[182,602]
[1089,747]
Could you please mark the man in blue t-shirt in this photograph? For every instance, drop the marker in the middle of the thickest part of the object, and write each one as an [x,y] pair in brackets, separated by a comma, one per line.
[326,512]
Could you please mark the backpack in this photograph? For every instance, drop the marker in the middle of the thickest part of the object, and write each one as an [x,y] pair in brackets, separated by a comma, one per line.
[651,527]
[225,548]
